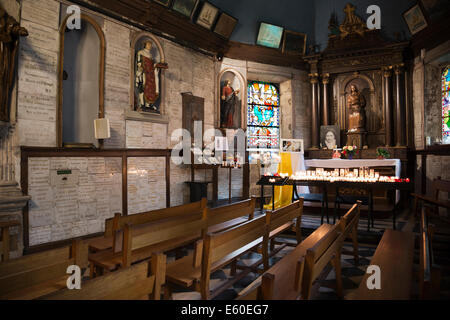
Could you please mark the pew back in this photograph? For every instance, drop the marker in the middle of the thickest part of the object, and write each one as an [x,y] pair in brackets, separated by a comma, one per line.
[277,221]
[350,220]
[228,213]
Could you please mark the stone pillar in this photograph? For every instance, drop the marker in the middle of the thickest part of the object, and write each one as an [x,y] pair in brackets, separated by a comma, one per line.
[400,107]
[326,101]
[388,101]
[314,79]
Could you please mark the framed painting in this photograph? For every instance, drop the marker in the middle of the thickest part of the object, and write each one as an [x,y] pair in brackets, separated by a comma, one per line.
[193,111]
[292,145]
[225,25]
[165,3]
[294,42]
[185,7]
[330,137]
[207,16]
[415,19]
[269,35]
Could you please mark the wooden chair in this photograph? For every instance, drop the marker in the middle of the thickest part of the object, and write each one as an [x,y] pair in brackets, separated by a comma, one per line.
[216,251]
[438,186]
[5,244]
[117,223]
[283,281]
[35,275]
[348,226]
[141,281]
[429,274]
[394,256]
[326,250]
[138,242]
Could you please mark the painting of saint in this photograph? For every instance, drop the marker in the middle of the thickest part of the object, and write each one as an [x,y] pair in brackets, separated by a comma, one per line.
[147,78]
[229,106]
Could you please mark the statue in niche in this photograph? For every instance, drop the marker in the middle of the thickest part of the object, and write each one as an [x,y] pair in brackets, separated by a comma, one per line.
[356,104]
[10,32]
[148,79]
[229,105]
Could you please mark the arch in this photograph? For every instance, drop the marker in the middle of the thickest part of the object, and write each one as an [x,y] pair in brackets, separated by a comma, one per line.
[243,89]
[348,79]
[101,107]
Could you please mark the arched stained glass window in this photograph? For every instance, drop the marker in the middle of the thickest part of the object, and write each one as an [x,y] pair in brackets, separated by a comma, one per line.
[446,106]
[263,116]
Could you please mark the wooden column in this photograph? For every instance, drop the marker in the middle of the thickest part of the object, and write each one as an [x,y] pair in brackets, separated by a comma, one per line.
[326,102]
[400,107]
[314,78]
[388,100]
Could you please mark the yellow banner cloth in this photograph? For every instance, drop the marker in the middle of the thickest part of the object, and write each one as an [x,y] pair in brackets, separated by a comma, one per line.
[283,195]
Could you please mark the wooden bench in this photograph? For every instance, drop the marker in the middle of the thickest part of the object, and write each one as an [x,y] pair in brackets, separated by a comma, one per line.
[348,226]
[216,251]
[35,275]
[5,237]
[429,274]
[394,256]
[117,223]
[226,217]
[141,281]
[138,242]
[283,280]
[438,186]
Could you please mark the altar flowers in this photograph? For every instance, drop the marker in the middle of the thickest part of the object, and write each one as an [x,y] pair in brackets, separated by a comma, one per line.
[350,151]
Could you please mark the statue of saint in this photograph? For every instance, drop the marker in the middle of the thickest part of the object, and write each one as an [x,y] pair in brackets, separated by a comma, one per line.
[229,105]
[147,79]
[10,32]
[356,103]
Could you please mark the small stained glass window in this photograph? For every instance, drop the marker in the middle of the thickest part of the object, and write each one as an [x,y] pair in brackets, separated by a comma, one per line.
[263,116]
[446,105]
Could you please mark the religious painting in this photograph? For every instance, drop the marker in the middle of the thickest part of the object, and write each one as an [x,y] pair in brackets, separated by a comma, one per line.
[231,100]
[415,19]
[269,35]
[292,145]
[225,25]
[330,137]
[207,15]
[148,66]
[294,42]
[263,116]
[185,7]
[165,3]
[193,110]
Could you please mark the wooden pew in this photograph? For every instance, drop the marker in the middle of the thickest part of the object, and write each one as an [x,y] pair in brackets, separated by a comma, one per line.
[394,256]
[141,281]
[429,274]
[438,186]
[226,217]
[138,242]
[348,226]
[283,281]
[5,238]
[216,251]
[35,275]
[117,223]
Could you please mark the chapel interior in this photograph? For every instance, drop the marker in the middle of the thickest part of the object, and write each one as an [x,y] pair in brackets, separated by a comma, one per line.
[224,150]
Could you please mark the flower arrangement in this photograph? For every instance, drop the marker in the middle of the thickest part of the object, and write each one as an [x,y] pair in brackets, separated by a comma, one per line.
[350,151]
[382,153]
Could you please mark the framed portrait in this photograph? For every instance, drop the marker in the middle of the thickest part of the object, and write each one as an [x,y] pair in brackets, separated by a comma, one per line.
[292,145]
[294,42]
[185,7]
[330,137]
[165,3]
[225,25]
[269,35]
[415,19]
[207,15]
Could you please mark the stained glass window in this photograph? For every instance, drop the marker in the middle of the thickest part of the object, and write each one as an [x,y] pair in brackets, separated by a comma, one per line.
[446,105]
[263,116]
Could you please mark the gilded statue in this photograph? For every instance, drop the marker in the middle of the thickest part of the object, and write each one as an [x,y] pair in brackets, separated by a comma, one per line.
[352,23]
[356,104]
[10,32]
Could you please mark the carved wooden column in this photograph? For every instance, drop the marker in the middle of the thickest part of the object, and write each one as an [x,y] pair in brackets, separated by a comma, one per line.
[326,107]
[314,78]
[400,107]
[388,101]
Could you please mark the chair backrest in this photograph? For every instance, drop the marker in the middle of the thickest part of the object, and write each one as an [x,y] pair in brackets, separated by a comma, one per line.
[350,219]
[440,185]
[133,283]
[277,218]
[145,235]
[230,212]
[41,267]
